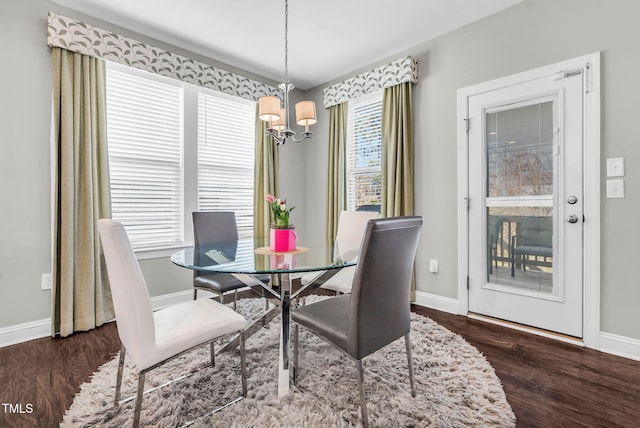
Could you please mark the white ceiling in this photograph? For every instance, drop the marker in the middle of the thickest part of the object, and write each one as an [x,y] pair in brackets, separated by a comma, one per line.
[327,38]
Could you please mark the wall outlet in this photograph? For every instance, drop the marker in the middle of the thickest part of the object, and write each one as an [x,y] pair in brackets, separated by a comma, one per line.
[46,282]
[433,266]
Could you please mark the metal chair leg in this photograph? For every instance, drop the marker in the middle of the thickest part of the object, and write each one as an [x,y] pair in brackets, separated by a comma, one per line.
[235,299]
[363,398]
[119,376]
[407,342]
[136,413]
[213,355]
[295,352]
[243,367]
[195,294]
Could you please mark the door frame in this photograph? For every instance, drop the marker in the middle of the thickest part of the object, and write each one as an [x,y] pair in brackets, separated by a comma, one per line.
[590,66]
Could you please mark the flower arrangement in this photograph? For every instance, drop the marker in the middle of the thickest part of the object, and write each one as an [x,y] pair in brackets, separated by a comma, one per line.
[279,212]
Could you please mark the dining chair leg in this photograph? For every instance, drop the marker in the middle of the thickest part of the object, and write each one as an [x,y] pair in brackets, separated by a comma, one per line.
[235,299]
[136,413]
[195,294]
[119,376]
[407,342]
[363,398]
[243,367]
[222,298]
[295,352]
[213,355]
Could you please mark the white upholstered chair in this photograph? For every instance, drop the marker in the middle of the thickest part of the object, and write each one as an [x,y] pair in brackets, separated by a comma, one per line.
[152,338]
[351,227]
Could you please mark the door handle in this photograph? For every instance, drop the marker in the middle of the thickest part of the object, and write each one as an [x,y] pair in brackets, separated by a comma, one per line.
[572,218]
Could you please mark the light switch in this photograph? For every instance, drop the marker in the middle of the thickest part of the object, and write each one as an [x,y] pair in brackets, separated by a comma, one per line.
[433,266]
[615,167]
[615,188]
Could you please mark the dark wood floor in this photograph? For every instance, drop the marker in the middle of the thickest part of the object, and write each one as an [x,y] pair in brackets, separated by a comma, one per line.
[548,383]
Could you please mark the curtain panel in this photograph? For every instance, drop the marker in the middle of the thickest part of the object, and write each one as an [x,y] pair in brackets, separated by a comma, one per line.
[81,298]
[266,178]
[397,151]
[397,156]
[336,180]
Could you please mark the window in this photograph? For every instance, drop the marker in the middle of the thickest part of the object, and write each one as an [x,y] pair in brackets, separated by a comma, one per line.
[144,128]
[226,140]
[364,151]
[175,148]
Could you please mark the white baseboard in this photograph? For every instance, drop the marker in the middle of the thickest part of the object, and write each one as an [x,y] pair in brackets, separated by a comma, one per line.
[610,343]
[24,332]
[31,330]
[620,345]
[432,301]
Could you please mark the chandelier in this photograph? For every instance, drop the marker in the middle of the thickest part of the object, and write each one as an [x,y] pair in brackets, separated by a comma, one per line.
[271,109]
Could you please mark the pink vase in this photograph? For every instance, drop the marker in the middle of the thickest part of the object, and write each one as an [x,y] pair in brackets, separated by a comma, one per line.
[283,240]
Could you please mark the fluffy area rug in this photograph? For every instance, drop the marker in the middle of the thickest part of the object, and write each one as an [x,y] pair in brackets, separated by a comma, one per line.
[456,386]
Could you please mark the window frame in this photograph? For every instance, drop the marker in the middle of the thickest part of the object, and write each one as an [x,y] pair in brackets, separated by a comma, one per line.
[370,98]
[189,173]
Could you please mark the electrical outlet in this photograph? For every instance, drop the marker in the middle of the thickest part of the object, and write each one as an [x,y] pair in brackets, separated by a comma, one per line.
[46,282]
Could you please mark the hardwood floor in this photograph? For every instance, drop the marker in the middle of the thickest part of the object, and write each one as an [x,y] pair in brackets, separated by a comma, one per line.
[548,383]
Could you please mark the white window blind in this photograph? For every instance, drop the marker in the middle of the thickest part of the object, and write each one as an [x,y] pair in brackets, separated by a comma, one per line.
[364,136]
[226,152]
[144,128]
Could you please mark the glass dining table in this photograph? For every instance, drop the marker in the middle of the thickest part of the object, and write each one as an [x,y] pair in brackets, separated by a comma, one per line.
[246,258]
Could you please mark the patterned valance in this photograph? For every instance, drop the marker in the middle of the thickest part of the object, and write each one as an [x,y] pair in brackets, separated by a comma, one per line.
[77,36]
[396,72]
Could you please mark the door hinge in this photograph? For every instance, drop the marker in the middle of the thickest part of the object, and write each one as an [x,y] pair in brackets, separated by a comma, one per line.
[466,124]
[467,203]
[467,282]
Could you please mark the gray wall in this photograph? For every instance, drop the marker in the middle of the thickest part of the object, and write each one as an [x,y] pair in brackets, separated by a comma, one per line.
[531,34]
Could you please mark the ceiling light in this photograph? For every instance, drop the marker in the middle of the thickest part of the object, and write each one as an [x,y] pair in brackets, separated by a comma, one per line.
[271,110]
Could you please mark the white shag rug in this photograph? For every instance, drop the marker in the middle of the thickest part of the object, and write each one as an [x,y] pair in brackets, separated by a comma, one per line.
[455,385]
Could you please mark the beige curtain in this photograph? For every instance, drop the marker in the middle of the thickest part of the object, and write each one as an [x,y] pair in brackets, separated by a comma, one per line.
[397,151]
[397,154]
[336,186]
[81,298]
[265,178]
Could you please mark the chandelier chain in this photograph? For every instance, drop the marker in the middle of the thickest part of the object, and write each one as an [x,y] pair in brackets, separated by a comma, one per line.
[286,41]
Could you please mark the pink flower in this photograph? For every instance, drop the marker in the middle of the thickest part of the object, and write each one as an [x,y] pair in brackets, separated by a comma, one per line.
[270,198]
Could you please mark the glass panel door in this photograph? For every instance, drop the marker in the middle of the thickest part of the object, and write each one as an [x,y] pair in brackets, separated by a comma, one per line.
[519,197]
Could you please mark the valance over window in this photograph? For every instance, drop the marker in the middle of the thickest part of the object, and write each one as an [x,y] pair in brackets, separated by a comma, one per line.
[391,74]
[86,39]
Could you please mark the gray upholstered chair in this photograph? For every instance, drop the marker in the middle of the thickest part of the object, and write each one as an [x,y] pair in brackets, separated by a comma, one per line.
[534,238]
[153,338]
[377,312]
[211,227]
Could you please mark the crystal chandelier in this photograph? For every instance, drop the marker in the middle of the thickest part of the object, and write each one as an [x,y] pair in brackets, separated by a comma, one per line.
[271,109]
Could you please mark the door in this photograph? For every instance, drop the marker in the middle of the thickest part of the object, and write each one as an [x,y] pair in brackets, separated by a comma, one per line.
[526,202]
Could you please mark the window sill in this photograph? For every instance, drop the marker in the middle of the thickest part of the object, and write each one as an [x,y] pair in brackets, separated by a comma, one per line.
[158,253]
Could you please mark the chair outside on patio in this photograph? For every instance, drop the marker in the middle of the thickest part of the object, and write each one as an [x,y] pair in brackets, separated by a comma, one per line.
[534,238]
